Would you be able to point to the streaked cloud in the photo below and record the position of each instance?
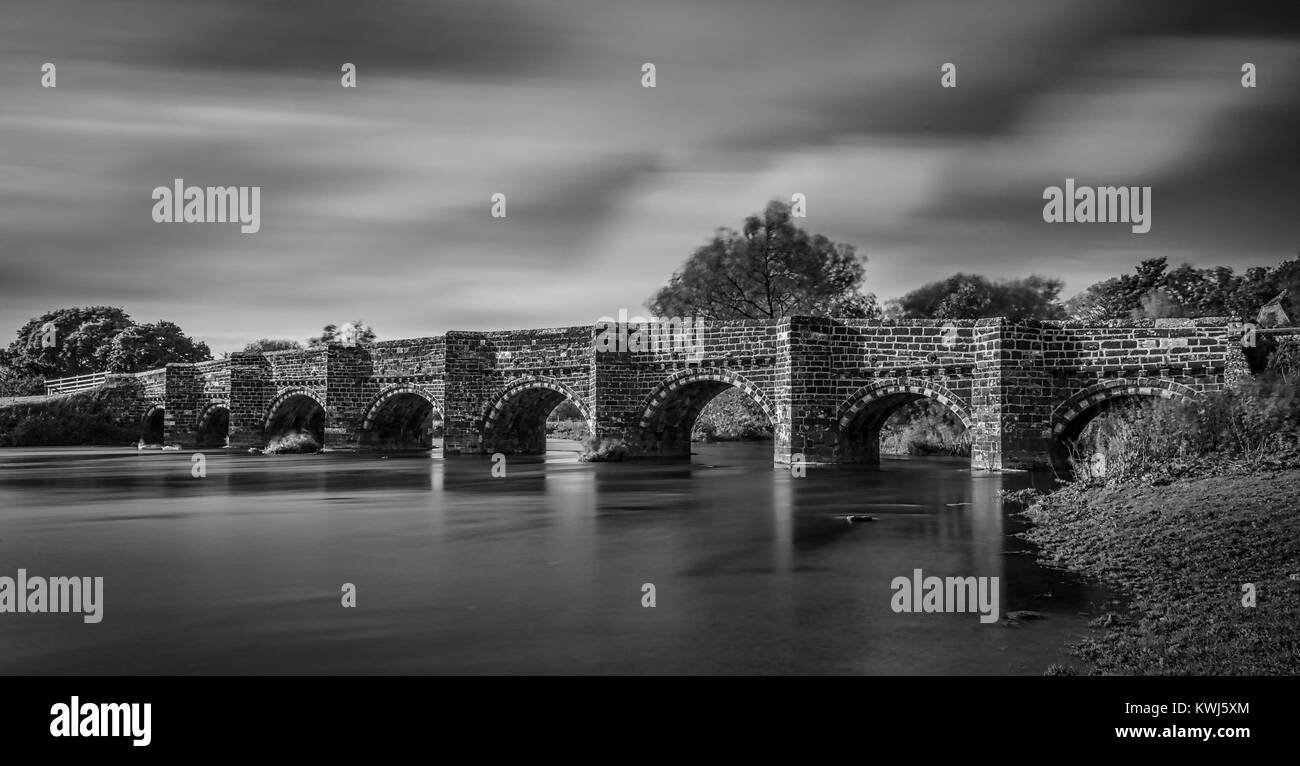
(376, 200)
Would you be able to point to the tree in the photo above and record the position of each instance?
(1154, 291)
(15, 382)
(149, 346)
(769, 269)
(970, 296)
(273, 344)
(79, 334)
(1260, 285)
(355, 331)
(1118, 297)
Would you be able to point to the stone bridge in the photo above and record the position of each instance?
(827, 385)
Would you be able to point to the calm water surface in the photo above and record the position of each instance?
(537, 572)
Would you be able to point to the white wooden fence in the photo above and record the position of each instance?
(75, 384)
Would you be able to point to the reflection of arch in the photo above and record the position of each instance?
(515, 421)
(861, 416)
(295, 409)
(401, 417)
(153, 423)
(214, 425)
(1069, 418)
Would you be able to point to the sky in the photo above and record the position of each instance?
(376, 200)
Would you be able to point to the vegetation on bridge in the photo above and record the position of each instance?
(73, 420)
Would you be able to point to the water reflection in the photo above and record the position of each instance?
(539, 571)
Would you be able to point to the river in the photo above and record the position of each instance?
(754, 570)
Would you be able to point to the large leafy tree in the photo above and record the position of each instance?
(1153, 290)
(769, 268)
(149, 346)
(970, 296)
(79, 334)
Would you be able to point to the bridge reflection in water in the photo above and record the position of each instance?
(755, 571)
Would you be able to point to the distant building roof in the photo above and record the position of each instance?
(1272, 314)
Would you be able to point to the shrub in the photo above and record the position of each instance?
(731, 416)
(14, 383)
(1250, 422)
(575, 430)
(74, 420)
(924, 428)
(603, 451)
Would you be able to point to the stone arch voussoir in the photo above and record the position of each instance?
(1071, 409)
(501, 400)
(285, 395)
(654, 402)
(383, 397)
(210, 410)
(872, 392)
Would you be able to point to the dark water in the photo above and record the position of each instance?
(538, 572)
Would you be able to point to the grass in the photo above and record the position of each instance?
(1183, 551)
(1190, 508)
(1255, 422)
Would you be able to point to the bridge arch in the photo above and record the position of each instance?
(153, 424)
(1075, 413)
(861, 416)
(515, 420)
(295, 410)
(213, 426)
(402, 417)
(669, 411)
(1071, 416)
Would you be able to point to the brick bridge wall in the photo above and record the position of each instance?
(828, 385)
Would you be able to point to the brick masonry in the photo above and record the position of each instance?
(828, 385)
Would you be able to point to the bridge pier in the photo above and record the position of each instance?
(251, 389)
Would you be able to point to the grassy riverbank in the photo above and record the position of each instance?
(1182, 549)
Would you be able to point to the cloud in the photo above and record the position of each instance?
(376, 199)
